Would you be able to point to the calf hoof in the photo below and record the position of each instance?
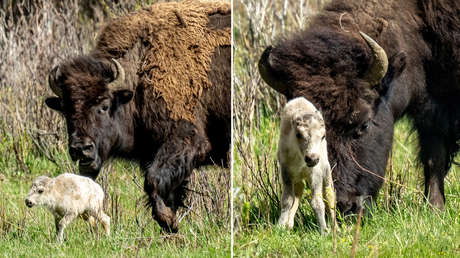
(324, 231)
(165, 217)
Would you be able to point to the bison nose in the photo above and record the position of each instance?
(29, 203)
(82, 149)
(311, 160)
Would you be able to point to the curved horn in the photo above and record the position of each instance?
(52, 77)
(379, 67)
(268, 74)
(120, 79)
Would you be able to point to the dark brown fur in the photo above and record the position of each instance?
(172, 111)
(326, 62)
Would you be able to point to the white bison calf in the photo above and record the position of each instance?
(302, 153)
(67, 196)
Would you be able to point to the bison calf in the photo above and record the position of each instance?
(302, 153)
(68, 196)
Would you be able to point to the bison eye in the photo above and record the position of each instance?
(365, 126)
(298, 135)
(40, 191)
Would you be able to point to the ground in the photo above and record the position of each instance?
(30, 232)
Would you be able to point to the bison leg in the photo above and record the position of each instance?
(167, 175)
(435, 157)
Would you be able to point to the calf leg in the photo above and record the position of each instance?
(105, 221)
(317, 202)
(62, 224)
(435, 156)
(287, 199)
(103, 218)
(87, 216)
(166, 174)
(298, 192)
(330, 194)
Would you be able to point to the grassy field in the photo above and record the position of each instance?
(400, 225)
(204, 230)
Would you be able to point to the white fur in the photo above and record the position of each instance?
(67, 196)
(303, 136)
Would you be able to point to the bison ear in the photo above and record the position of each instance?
(397, 65)
(123, 96)
(54, 103)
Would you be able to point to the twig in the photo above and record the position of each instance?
(185, 213)
(340, 22)
(355, 239)
(383, 178)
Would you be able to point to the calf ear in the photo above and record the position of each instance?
(123, 96)
(54, 103)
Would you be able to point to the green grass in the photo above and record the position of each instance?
(28, 232)
(402, 224)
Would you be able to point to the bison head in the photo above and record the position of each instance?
(90, 96)
(335, 71)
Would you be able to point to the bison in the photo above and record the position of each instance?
(156, 90)
(366, 64)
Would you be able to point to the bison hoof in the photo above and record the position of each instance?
(165, 217)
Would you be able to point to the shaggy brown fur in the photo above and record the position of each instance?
(326, 63)
(176, 38)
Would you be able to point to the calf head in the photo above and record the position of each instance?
(91, 96)
(37, 192)
(310, 134)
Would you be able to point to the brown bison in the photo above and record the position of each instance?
(156, 89)
(366, 64)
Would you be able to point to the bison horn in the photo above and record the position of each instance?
(379, 67)
(52, 77)
(268, 74)
(120, 78)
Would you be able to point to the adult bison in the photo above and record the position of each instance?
(366, 64)
(156, 89)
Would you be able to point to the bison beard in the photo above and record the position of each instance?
(156, 89)
(329, 62)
